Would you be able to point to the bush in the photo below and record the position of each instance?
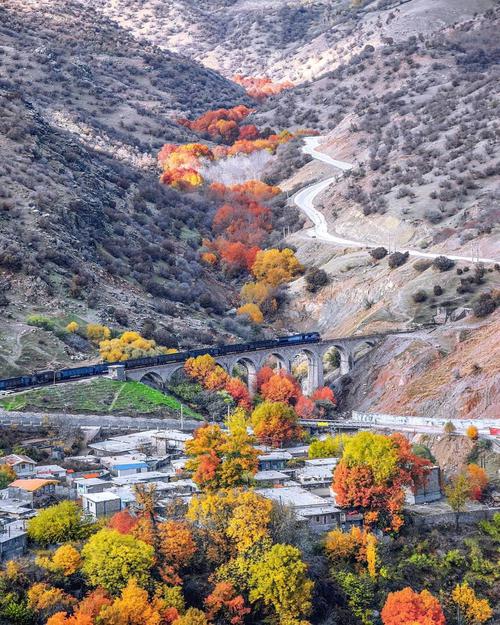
(422, 264)
(484, 306)
(442, 263)
(396, 259)
(315, 279)
(419, 296)
(378, 253)
(40, 322)
(438, 290)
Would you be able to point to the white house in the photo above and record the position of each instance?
(50, 470)
(101, 504)
(22, 465)
(319, 513)
(128, 468)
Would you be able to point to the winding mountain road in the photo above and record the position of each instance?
(304, 199)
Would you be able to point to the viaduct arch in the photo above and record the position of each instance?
(348, 347)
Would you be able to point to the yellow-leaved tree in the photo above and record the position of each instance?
(279, 580)
(473, 610)
(130, 345)
(274, 267)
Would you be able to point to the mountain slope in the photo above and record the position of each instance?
(85, 227)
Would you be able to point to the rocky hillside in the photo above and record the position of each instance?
(85, 228)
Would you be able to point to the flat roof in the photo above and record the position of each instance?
(321, 472)
(99, 497)
(320, 462)
(270, 475)
(276, 455)
(129, 465)
(112, 446)
(145, 476)
(91, 481)
(294, 496)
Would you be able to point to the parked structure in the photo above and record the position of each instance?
(13, 539)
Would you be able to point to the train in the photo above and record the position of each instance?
(77, 373)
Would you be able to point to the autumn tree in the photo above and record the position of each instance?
(226, 605)
(46, 600)
(252, 311)
(133, 607)
(62, 522)
(471, 609)
(130, 345)
(72, 327)
(110, 559)
(97, 332)
(281, 387)
(478, 481)
(222, 460)
(472, 432)
(407, 607)
(274, 267)
(7, 475)
(280, 581)
(123, 522)
(65, 560)
(329, 447)
(240, 517)
(457, 493)
(275, 423)
(177, 548)
(193, 616)
(372, 473)
(358, 547)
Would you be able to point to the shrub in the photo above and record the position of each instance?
(438, 290)
(422, 264)
(378, 253)
(315, 279)
(40, 322)
(442, 263)
(419, 296)
(484, 306)
(396, 259)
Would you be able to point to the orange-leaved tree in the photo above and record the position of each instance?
(275, 423)
(274, 267)
(281, 387)
(407, 607)
(478, 480)
(372, 475)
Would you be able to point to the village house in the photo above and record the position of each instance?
(128, 468)
(101, 504)
(85, 486)
(274, 460)
(23, 465)
(264, 479)
(319, 514)
(171, 441)
(13, 539)
(50, 471)
(35, 491)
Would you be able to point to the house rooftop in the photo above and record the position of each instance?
(31, 485)
(276, 455)
(90, 481)
(100, 497)
(129, 465)
(293, 496)
(14, 459)
(262, 476)
(50, 468)
(321, 462)
(173, 435)
(145, 476)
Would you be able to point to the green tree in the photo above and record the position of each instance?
(375, 451)
(279, 580)
(63, 522)
(457, 493)
(111, 559)
(330, 447)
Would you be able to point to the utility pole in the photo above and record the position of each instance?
(182, 417)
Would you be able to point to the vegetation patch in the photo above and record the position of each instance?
(102, 396)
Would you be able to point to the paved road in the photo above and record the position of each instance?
(107, 421)
(304, 199)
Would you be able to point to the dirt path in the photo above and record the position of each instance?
(304, 199)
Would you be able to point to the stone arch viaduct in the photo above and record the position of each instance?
(254, 359)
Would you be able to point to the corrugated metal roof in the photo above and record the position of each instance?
(130, 465)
